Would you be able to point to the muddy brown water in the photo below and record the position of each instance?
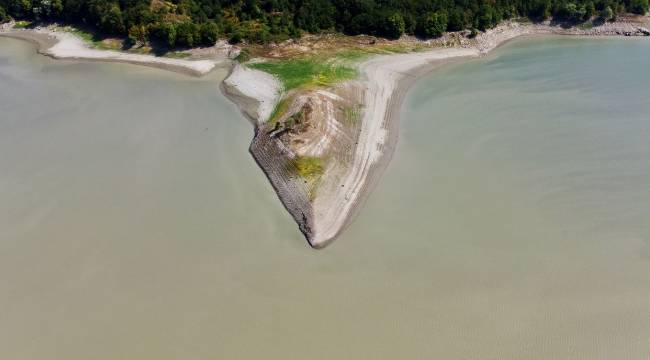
(512, 223)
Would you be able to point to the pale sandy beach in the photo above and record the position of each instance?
(64, 45)
(255, 84)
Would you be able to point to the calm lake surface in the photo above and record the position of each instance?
(513, 222)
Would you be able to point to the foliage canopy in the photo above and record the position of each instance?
(187, 23)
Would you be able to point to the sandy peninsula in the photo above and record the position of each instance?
(383, 82)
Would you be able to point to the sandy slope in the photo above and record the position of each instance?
(263, 87)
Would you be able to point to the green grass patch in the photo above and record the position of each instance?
(309, 167)
(86, 36)
(357, 54)
(244, 55)
(296, 73)
(280, 108)
(177, 55)
(354, 54)
(586, 25)
(22, 24)
(94, 40)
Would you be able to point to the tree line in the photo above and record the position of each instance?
(189, 23)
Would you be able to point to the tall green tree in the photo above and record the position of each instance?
(638, 7)
(433, 24)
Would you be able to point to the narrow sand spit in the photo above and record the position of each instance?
(386, 80)
(64, 45)
(382, 75)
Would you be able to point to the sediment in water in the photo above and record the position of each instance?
(323, 217)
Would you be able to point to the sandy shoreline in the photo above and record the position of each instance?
(63, 45)
(244, 82)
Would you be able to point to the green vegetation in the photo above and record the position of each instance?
(359, 53)
(280, 108)
(93, 40)
(23, 24)
(177, 55)
(638, 6)
(244, 55)
(188, 23)
(607, 14)
(86, 36)
(352, 55)
(434, 24)
(352, 114)
(303, 72)
(586, 26)
(295, 119)
(308, 167)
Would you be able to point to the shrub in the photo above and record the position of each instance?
(235, 37)
(393, 26)
(607, 14)
(638, 7)
(137, 34)
(209, 34)
(187, 34)
(456, 20)
(316, 15)
(112, 21)
(572, 13)
(433, 25)
(165, 33)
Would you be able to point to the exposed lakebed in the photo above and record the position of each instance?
(512, 222)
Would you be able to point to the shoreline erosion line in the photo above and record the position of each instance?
(383, 82)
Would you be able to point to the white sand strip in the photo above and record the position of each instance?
(72, 47)
(258, 85)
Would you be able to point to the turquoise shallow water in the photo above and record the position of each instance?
(511, 224)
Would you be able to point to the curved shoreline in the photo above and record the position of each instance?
(66, 46)
(387, 79)
(392, 121)
(364, 174)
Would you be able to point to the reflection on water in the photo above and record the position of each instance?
(512, 223)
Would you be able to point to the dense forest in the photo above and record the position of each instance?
(188, 23)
